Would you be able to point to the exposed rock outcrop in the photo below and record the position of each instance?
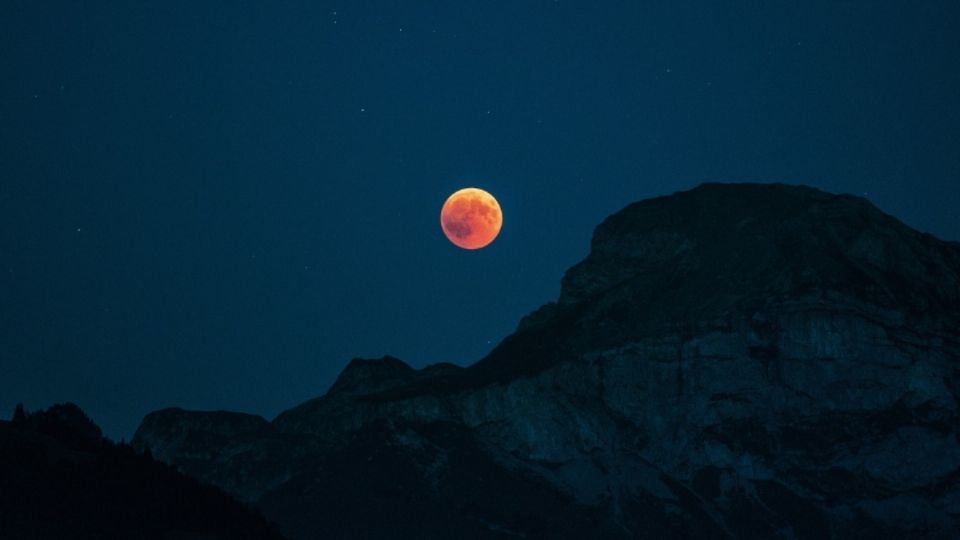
(735, 361)
(195, 434)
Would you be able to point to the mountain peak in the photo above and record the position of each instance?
(365, 375)
(721, 243)
(700, 259)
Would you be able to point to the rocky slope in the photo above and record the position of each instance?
(735, 361)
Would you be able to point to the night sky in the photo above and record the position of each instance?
(215, 205)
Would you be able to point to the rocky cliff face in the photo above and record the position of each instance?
(736, 361)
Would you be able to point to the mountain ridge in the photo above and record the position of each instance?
(733, 361)
(60, 478)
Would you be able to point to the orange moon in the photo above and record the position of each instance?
(471, 218)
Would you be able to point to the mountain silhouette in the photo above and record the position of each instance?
(60, 479)
(734, 361)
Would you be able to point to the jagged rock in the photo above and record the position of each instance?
(194, 435)
(735, 361)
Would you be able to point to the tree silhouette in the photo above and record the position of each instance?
(19, 415)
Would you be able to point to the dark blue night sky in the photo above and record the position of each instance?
(218, 204)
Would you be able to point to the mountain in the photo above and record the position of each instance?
(734, 361)
(60, 479)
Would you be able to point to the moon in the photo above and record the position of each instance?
(471, 218)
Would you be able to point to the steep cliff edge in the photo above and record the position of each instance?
(735, 361)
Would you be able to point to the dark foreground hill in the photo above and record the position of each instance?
(735, 361)
(60, 480)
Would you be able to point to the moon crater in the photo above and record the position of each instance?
(471, 218)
